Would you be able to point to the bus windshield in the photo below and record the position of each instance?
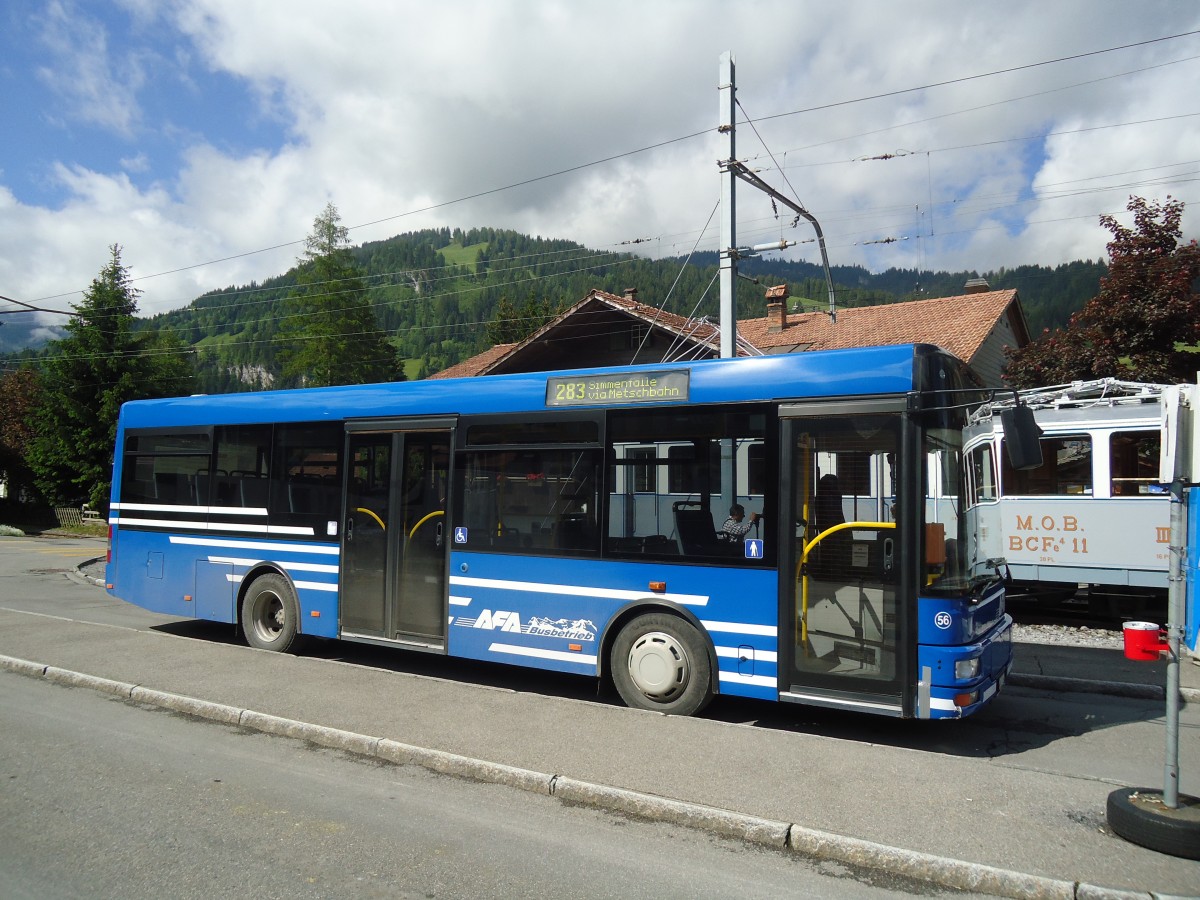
(945, 558)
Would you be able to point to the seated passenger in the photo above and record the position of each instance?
(736, 526)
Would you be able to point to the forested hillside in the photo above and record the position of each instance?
(444, 295)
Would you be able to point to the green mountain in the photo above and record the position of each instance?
(437, 292)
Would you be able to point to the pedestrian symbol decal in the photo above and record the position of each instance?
(754, 548)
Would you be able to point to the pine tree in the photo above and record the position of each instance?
(100, 364)
(330, 334)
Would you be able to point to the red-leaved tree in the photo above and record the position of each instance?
(1144, 325)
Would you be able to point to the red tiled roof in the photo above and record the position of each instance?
(476, 364)
(959, 324)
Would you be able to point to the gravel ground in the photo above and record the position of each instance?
(1068, 635)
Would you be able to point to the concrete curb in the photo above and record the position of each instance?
(817, 845)
(1056, 684)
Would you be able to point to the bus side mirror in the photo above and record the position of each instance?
(1022, 438)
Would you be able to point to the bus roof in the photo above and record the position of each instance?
(830, 373)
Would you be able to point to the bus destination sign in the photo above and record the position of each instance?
(606, 390)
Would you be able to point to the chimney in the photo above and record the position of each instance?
(631, 294)
(776, 308)
(977, 286)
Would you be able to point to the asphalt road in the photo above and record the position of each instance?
(1019, 787)
(101, 798)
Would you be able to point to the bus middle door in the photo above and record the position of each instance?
(394, 545)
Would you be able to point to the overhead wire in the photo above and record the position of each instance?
(693, 135)
(669, 141)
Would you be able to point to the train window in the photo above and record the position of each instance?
(983, 475)
(1066, 469)
(1133, 459)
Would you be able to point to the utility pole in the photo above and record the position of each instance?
(731, 171)
(739, 170)
(728, 97)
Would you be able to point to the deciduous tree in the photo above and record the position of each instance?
(1144, 325)
(18, 397)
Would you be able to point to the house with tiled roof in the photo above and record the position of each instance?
(604, 329)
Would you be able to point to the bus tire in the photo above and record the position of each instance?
(1138, 815)
(660, 662)
(271, 614)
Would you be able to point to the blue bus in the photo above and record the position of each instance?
(580, 522)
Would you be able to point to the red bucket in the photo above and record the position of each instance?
(1143, 640)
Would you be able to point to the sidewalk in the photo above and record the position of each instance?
(1009, 821)
(1065, 668)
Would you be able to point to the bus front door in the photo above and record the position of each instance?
(840, 598)
(394, 545)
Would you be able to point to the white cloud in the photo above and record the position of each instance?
(396, 107)
(97, 85)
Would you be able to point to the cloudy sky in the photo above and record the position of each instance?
(204, 136)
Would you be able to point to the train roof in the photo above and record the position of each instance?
(1094, 395)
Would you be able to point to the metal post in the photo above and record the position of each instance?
(728, 248)
(1175, 614)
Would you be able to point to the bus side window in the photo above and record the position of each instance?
(160, 468)
(241, 466)
(530, 500)
(305, 476)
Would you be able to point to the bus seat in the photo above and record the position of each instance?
(255, 492)
(173, 487)
(626, 544)
(570, 533)
(202, 486)
(694, 525)
(661, 545)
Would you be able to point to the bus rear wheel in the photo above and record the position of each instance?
(659, 662)
(271, 614)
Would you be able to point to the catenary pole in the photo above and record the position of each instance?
(728, 275)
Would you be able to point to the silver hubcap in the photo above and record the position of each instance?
(268, 621)
(659, 666)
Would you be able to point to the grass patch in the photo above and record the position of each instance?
(457, 255)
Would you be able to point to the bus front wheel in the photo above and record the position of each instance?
(270, 614)
(659, 662)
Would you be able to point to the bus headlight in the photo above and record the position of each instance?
(966, 668)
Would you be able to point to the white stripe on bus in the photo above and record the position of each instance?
(459, 601)
(533, 587)
(230, 543)
(308, 585)
(207, 510)
(316, 586)
(290, 566)
(211, 526)
(557, 655)
(767, 681)
(741, 628)
(763, 656)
